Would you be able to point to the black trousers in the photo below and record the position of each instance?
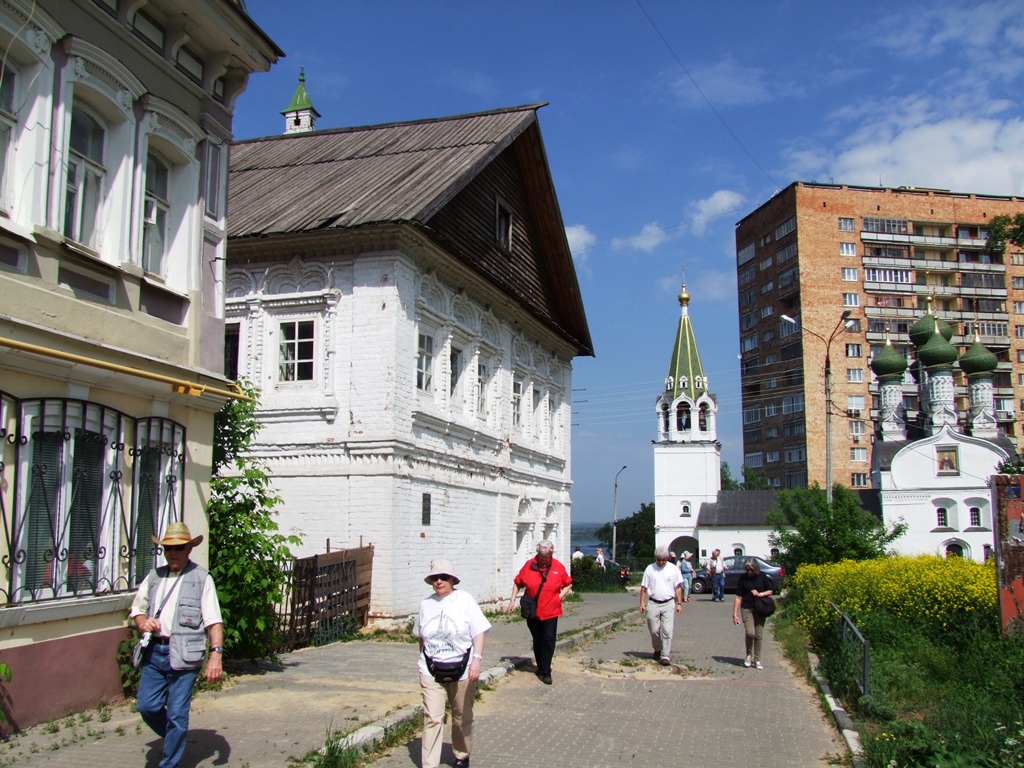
(544, 635)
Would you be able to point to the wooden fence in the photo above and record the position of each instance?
(325, 596)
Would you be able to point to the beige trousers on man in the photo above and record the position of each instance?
(460, 695)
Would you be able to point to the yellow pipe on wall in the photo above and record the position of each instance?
(177, 385)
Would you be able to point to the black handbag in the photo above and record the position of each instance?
(528, 605)
(447, 671)
(764, 606)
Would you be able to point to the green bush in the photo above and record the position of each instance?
(587, 577)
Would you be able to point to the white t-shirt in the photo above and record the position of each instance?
(447, 626)
(661, 581)
(210, 606)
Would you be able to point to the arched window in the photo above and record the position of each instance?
(86, 176)
(702, 417)
(954, 550)
(664, 417)
(976, 516)
(683, 417)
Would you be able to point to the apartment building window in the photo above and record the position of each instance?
(771, 409)
(886, 226)
(749, 367)
(854, 375)
(748, 297)
(767, 287)
(771, 383)
(785, 227)
(1017, 259)
(853, 350)
(749, 343)
(795, 454)
(771, 358)
(769, 335)
(845, 224)
(767, 311)
(850, 274)
(745, 254)
(1017, 283)
(295, 351)
(1018, 331)
(789, 352)
(424, 362)
(986, 328)
(788, 277)
(793, 429)
(765, 239)
(1020, 355)
(796, 480)
(878, 275)
(86, 176)
(766, 263)
(1018, 307)
(859, 480)
(771, 433)
(857, 428)
(858, 454)
(851, 299)
(754, 460)
(793, 404)
(854, 404)
(853, 325)
(787, 328)
(752, 414)
(848, 249)
(746, 274)
(771, 457)
(785, 254)
(155, 210)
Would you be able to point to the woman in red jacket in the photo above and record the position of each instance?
(548, 582)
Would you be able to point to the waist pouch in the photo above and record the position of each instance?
(447, 671)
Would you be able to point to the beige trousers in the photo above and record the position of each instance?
(460, 695)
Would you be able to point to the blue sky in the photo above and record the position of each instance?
(667, 123)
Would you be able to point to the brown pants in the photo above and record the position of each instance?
(753, 627)
(460, 695)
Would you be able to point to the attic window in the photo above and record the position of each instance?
(503, 225)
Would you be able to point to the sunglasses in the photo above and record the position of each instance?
(175, 547)
(440, 577)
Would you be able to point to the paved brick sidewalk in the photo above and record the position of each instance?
(282, 711)
(611, 704)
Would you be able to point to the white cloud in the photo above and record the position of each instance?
(580, 240)
(703, 212)
(729, 84)
(715, 286)
(650, 237)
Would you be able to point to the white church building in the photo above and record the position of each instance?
(932, 473)
(404, 299)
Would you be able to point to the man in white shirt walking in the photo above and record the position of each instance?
(661, 596)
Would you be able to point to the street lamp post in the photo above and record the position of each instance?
(843, 321)
(615, 515)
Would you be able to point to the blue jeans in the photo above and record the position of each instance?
(165, 696)
(718, 587)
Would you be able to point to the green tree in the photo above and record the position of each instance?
(808, 530)
(1014, 465)
(730, 483)
(755, 481)
(247, 553)
(1003, 230)
(635, 536)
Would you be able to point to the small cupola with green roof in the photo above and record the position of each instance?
(978, 364)
(686, 409)
(889, 366)
(300, 115)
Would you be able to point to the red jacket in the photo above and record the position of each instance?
(549, 606)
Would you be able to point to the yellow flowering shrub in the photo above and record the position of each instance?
(934, 594)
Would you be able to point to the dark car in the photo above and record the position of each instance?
(733, 571)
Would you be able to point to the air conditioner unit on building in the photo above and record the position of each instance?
(856, 438)
(853, 413)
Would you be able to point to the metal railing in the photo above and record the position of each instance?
(853, 644)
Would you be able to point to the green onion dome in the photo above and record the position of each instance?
(977, 359)
(889, 363)
(922, 331)
(937, 351)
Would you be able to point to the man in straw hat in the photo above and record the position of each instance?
(451, 629)
(175, 609)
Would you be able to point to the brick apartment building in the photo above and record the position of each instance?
(815, 250)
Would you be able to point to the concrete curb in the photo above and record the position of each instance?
(843, 721)
(368, 735)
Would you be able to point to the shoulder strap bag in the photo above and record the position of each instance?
(143, 644)
(528, 605)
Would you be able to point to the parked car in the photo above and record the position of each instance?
(733, 571)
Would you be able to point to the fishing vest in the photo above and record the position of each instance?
(188, 636)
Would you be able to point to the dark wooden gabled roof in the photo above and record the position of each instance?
(406, 173)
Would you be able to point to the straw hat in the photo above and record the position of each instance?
(177, 534)
(687, 554)
(441, 568)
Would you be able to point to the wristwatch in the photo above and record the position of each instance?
(477, 656)
(217, 649)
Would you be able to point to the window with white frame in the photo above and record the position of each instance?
(853, 350)
(424, 362)
(752, 414)
(517, 404)
(879, 275)
(847, 249)
(771, 457)
(793, 404)
(771, 409)
(851, 299)
(767, 311)
(854, 403)
(854, 375)
(154, 214)
(850, 274)
(857, 428)
(295, 350)
(845, 224)
(785, 227)
(858, 454)
(859, 480)
(85, 177)
(791, 455)
(754, 460)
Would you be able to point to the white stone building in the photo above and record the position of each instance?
(404, 298)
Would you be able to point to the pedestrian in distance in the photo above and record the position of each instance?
(451, 628)
(176, 610)
(600, 558)
(750, 585)
(686, 570)
(717, 570)
(545, 582)
(578, 554)
(661, 597)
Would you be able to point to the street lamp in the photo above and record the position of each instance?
(842, 324)
(615, 514)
